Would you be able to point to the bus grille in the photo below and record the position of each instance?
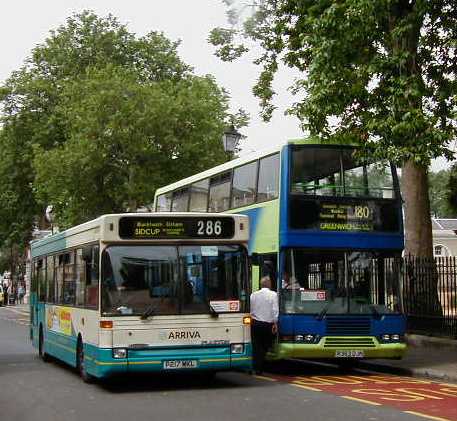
(348, 325)
(349, 343)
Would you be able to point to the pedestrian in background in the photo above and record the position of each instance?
(20, 294)
(12, 294)
(6, 293)
(264, 313)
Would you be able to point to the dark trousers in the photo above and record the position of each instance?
(262, 339)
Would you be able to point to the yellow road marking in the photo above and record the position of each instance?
(448, 385)
(306, 387)
(361, 400)
(270, 379)
(431, 417)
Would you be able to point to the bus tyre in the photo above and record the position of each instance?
(43, 355)
(81, 364)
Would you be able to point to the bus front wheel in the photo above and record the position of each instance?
(81, 363)
(41, 352)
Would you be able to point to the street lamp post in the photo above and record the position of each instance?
(230, 139)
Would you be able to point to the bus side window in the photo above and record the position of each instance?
(41, 277)
(50, 269)
(91, 257)
(32, 278)
(59, 278)
(69, 285)
(80, 278)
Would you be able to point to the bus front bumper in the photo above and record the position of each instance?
(283, 350)
(103, 364)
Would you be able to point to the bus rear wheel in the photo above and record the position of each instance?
(81, 363)
(41, 352)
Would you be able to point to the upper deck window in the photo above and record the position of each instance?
(180, 200)
(219, 192)
(244, 180)
(199, 196)
(163, 202)
(329, 171)
(268, 186)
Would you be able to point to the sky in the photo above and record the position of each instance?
(25, 23)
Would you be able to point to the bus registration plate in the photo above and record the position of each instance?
(349, 354)
(178, 364)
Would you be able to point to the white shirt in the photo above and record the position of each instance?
(264, 305)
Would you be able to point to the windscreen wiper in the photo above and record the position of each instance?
(213, 312)
(375, 311)
(323, 312)
(148, 312)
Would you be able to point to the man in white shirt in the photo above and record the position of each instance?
(264, 313)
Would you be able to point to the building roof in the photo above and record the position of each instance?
(444, 224)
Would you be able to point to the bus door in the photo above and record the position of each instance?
(265, 265)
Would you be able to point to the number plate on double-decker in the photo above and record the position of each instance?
(346, 353)
(178, 364)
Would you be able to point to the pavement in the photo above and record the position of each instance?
(427, 357)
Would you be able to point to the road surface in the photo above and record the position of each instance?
(33, 390)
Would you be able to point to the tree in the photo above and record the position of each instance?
(127, 138)
(96, 119)
(380, 73)
(439, 193)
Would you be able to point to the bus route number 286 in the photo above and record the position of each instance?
(209, 227)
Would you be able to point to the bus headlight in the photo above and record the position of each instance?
(119, 353)
(308, 338)
(237, 348)
(393, 337)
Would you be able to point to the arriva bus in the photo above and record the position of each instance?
(144, 292)
(327, 228)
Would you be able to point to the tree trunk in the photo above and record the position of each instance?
(418, 224)
(421, 275)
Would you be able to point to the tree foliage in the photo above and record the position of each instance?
(97, 119)
(439, 193)
(451, 191)
(380, 73)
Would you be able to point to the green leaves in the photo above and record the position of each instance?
(440, 193)
(381, 74)
(97, 119)
(223, 38)
(383, 69)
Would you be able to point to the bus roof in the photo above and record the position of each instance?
(245, 159)
(220, 168)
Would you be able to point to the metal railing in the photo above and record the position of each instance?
(430, 295)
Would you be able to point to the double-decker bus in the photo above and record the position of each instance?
(327, 227)
(144, 292)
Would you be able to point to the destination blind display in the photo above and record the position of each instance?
(166, 228)
(347, 215)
